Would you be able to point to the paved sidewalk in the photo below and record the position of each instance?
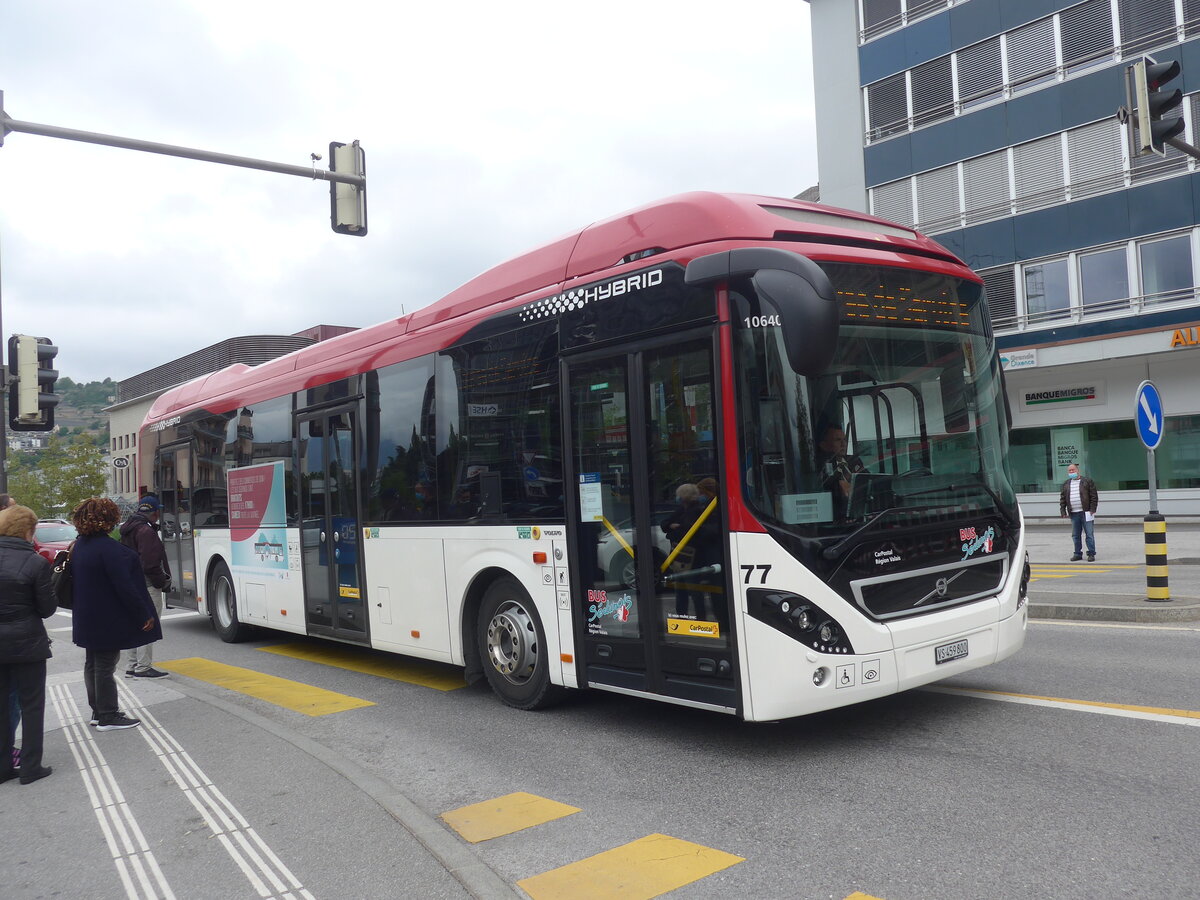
(1113, 588)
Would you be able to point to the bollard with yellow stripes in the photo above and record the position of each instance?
(1155, 528)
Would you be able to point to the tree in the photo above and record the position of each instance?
(53, 481)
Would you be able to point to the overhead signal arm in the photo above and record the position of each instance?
(352, 175)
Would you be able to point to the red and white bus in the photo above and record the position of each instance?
(734, 452)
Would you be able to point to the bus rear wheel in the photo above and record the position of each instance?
(512, 645)
(223, 602)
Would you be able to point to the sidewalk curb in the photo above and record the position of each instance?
(479, 880)
(1143, 612)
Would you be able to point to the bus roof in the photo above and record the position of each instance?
(665, 227)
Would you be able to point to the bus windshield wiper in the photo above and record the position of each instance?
(1004, 514)
(836, 549)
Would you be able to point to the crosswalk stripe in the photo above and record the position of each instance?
(293, 695)
(442, 678)
(505, 815)
(639, 870)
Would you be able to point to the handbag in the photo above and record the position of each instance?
(61, 580)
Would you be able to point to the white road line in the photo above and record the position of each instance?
(1076, 623)
(66, 613)
(265, 871)
(121, 832)
(1125, 712)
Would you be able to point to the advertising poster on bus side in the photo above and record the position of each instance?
(258, 522)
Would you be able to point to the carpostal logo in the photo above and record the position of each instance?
(580, 297)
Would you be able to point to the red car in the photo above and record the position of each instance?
(52, 536)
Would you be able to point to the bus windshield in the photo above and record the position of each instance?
(907, 426)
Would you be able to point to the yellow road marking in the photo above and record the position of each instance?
(859, 895)
(505, 815)
(1078, 567)
(1154, 713)
(442, 678)
(639, 870)
(301, 698)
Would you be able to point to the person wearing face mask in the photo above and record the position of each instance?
(1078, 499)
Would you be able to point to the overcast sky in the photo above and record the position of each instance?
(489, 129)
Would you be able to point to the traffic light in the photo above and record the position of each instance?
(1153, 100)
(31, 397)
(348, 202)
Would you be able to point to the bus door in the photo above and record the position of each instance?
(650, 592)
(173, 477)
(335, 604)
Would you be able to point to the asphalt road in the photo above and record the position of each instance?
(1067, 771)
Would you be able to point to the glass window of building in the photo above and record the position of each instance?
(1047, 290)
(887, 106)
(932, 91)
(1146, 24)
(1166, 269)
(1103, 280)
(980, 75)
(1111, 455)
(878, 15)
(1087, 34)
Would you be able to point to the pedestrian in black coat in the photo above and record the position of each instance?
(112, 610)
(25, 599)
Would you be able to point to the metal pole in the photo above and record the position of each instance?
(1152, 475)
(1154, 528)
(245, 162)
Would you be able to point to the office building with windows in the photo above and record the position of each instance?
(992, 126)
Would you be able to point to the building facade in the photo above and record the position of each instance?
(136, 394)
(992, 126)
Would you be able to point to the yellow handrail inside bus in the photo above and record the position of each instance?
(700, 519)
(620, 540)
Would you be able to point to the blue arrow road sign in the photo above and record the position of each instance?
(1148, 415)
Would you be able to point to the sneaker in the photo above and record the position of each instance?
(149, 673)
(1091, 557)
(93, 721)
(130, 672)
(1076, 558)
(117, 722)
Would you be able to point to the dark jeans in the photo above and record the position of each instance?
(98, 669)
(1079, 523)
(30, 681)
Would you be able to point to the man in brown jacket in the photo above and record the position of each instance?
(1078, 499)
(140, 532)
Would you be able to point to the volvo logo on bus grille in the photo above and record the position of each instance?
(941, 588)
(582, 296)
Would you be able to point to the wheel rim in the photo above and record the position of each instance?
(224, 602)
(512, 642)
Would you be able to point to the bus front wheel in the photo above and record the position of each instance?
(512, 646)
(223, 601)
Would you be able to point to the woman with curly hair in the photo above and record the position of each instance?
(25, 599)
(112, 611)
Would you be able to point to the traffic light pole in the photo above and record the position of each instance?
(109, 140)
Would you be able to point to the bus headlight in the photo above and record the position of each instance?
(799, 618)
